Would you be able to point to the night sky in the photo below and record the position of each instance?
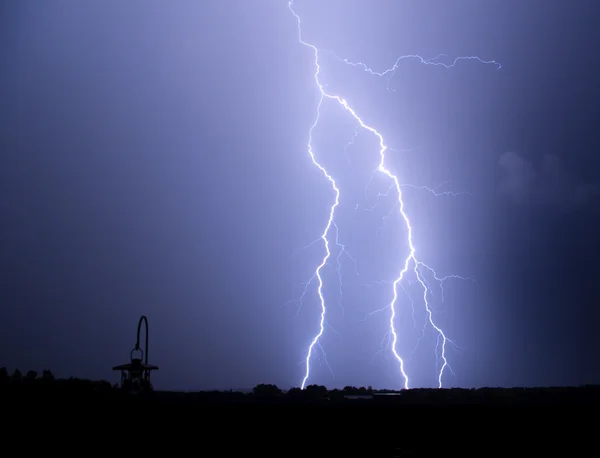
(154, 161)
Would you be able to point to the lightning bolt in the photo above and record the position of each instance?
(411, 262)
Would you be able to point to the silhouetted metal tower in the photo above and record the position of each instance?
(135, 375)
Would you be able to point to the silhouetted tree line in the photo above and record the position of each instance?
(434, 396)
(33, 384)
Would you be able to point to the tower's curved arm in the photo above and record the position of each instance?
(137, 345)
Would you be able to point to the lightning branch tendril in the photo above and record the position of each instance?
(411, 262)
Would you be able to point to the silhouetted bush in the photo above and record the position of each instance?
(17, 377)
(316, 392)
(47, 376)
(266, 391)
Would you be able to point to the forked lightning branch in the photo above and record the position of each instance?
(408, 266)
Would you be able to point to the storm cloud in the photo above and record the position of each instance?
(545, 182)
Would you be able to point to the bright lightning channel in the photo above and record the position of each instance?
(411, 262)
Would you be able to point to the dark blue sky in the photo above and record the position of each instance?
(154, 162)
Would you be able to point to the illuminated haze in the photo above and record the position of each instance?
(155, 161)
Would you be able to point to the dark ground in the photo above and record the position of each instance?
(313, 422)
